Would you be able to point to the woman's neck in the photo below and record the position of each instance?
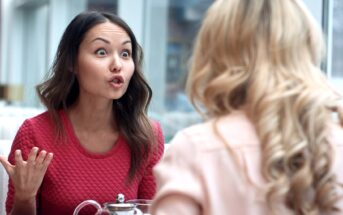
(92, 117)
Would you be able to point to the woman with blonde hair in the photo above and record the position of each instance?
(272, 142)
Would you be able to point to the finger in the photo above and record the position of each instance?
(19, 163)
(47, 161)
(41, 157)
(32, 156)
(18, 158)
(7, 165)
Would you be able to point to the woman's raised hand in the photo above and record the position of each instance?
(27, 176)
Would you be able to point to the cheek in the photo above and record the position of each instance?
(89, 67)
(130, 70)
(88, 73)
(86, 65)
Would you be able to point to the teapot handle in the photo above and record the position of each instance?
(88, 202)
(138, 212)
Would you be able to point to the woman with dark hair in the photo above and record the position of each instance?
(96, 126)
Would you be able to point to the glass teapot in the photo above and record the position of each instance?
(111, 208)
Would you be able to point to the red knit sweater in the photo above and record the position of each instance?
(75, 174)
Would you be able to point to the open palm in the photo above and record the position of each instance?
(27, 176)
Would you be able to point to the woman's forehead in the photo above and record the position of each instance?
(108, 30)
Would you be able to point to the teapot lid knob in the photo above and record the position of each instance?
(120, 198)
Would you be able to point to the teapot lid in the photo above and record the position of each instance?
(112, 206)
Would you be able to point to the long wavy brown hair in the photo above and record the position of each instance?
(265, 55)
(61, 88)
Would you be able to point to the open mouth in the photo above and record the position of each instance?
(117, 82)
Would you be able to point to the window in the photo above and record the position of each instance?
(333, 25)
(169, 30)
(103, 5)
(184, 19)
(166, 29)
(337, 40)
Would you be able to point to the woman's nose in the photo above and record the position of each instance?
(116, 63)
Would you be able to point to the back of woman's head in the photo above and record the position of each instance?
(264, 55)
(243, 41)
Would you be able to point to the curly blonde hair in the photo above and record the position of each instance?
(265, 55)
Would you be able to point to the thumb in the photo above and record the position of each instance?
(8, 167)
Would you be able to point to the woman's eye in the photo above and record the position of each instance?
(126, 54)
(101, 52)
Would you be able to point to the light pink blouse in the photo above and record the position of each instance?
(198, 174)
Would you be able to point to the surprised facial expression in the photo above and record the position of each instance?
(104, 64)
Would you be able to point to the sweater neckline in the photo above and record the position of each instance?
(76, 142)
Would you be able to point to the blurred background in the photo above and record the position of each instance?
(31, 29)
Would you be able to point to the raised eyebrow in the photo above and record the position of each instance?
(126, 42)
(101, 39)
(107, 41)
